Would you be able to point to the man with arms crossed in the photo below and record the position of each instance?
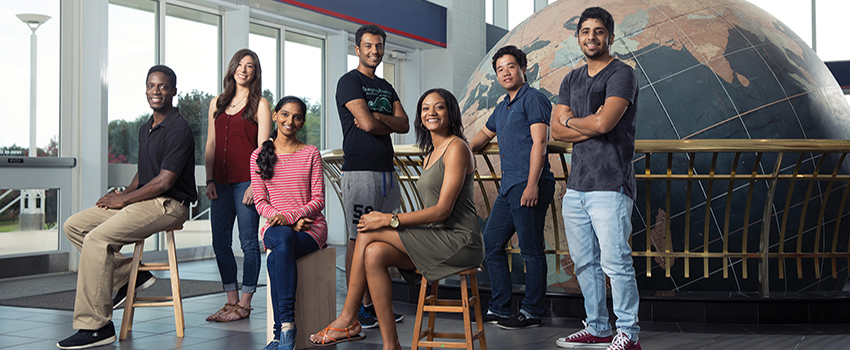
(157, 199)
(596, 110)
(369, 110)
(521, 121)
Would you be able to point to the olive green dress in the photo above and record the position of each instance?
(444, 248)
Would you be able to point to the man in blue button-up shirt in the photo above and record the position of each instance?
(521, 121)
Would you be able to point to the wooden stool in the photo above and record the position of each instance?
(433, 305)
(174, 300)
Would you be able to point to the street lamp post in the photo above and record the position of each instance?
(33, 21)
(32, 200)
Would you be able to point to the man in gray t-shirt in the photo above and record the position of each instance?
(596, 110)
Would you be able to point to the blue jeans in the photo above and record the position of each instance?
(223, 210)
(286, 247)
(598, 226)
(507, 217)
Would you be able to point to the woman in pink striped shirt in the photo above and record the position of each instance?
(289, 191)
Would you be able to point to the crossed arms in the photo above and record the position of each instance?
(377, 123)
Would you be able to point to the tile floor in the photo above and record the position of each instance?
(153, 328)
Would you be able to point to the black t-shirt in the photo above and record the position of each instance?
(364, 151)
(604, 162)
(170, 146)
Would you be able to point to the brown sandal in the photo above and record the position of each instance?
(224, 309)
(235, 311)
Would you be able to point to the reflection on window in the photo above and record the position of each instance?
(15, 55)
(192, 51)
(132, 51)
(263, 40)
(28, 221)
(303, 78)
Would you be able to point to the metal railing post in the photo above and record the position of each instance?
(764, 246)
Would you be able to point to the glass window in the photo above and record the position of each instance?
(831, 35)
(192, 51)
(303, 77)
(263, 40)
(28, 221)
(132, 51)
(518, 11)
(16, 38)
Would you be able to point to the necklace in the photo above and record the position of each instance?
(295, 149)
(240, 101)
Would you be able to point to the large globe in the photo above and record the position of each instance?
(707, 69)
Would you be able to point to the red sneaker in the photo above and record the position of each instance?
(622, 342)
(583, 340)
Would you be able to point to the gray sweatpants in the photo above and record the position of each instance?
(365, 191)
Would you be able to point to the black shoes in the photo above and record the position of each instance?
(492, 318)
(518, 321)
(371, 310)
(85, 339)
(368, 319)
(143, 281)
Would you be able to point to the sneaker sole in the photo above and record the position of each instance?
(399, 318)
(574, 345)
(103, 342)
(523, 327)
(144, 286)
(369, 326)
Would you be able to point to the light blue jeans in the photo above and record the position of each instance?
(598, 225)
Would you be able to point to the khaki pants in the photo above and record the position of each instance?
(99, 235)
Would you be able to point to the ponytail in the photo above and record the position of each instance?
(267, 158)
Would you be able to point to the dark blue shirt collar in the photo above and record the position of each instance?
(519, 94)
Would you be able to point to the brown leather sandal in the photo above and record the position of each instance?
(224, 309)
(235, 311)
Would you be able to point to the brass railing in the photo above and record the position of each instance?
(801, 185)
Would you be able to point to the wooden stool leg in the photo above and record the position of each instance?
(176, 297)
(417, 325)
(482, 341)
(127, 320)
(467, 322)
(432, 315)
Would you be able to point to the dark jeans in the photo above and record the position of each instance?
(286, 247)
(507, 217)
(223, 210)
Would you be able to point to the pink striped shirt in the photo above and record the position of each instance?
(296, 190)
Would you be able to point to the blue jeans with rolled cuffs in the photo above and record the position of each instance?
(507, 217)
(598, 225)
(286, 246)
(223, 210)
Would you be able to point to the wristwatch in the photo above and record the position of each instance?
(394, 221)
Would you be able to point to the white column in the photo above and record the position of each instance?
(500, 13)
(540, 4)
(83, 103)
(336, 64)
(450, 68)
(33, 93)
(235, 24)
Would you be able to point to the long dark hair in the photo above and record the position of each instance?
(423, 136)
(255, 89)
(267, 158)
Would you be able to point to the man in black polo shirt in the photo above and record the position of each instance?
(157, 199)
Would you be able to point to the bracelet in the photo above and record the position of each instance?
(567, 122)
(210, 181)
